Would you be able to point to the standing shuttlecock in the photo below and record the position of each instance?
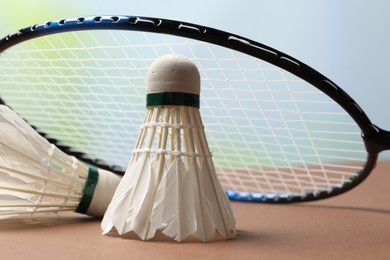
(35, 176)
(170, 185)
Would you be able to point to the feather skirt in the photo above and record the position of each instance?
(170, 184)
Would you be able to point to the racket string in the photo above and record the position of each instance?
(268, 130)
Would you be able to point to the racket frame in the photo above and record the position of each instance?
(375, 139)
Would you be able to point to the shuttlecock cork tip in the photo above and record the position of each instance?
(173, 73)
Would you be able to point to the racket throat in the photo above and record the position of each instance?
(378, 141)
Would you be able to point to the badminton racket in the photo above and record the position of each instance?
(279, 130)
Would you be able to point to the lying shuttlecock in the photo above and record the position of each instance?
(35, 176)
(170, 185)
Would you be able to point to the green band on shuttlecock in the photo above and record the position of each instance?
(89, 190)
(172, 99)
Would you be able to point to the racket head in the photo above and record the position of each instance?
(277, 128)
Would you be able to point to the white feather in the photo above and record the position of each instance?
(35, 176)
(174, 193)
(123, 208)
(173, 208)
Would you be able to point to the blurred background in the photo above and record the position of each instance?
(348, 41)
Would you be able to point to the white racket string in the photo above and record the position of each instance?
(268, 131)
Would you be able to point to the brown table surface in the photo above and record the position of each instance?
(354, 225)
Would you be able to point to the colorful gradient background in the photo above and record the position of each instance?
(348, 41)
